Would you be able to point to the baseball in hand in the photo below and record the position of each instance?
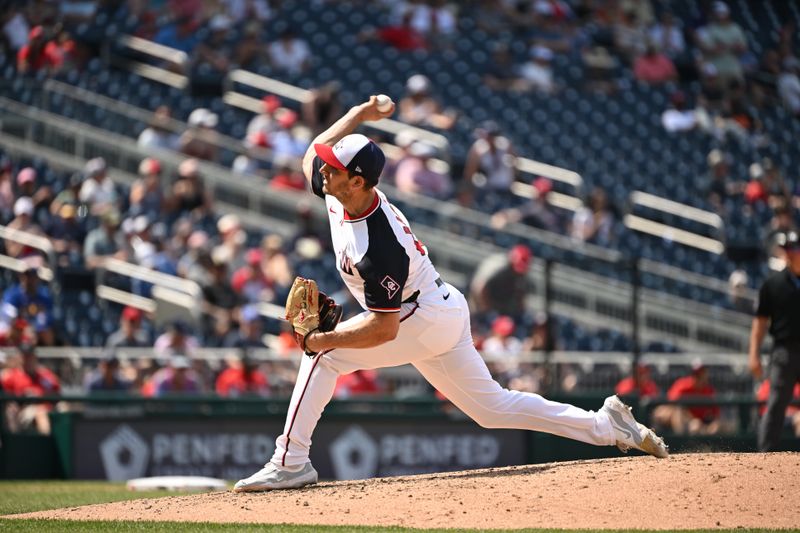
(384, 103)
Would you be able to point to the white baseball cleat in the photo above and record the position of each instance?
(273, 477)
(630, 433)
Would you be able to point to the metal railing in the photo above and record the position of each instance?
(671, 233)
(300, 96)
(45, 272)
(734, 360)
(18, 265)
(31, 240)
(393, 127)
(53, 89)
(557, 363)
(157, 53)
(180, 292)
(678, 209)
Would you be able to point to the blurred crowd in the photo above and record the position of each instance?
(718, 83)
(168, 221)
(165, 223)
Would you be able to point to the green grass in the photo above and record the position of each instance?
(28, 496)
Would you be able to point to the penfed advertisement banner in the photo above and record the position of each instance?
(122, 449)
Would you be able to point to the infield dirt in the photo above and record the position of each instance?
(719, 490)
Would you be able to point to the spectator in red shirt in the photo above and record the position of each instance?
(654, 67)
(39, 53)
(242, 378)
(190, 9)
(17, 331)
(250, 282)
(358, 383)
(755, 191)
(403, 36)
(647, 387)
(29, 378)
(288, 178)
(694, 420)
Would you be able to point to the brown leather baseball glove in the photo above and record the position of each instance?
(309, 310)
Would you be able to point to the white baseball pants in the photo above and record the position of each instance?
(437, 340)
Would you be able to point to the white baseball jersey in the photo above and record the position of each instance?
(379, 258)
(388, 270)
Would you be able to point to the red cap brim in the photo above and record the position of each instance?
(325, 153)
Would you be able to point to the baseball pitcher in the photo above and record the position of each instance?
(410, 316)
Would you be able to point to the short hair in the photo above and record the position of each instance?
(367, 181)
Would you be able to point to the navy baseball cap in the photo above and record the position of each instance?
(355, 153)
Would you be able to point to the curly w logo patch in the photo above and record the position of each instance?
(391, 286)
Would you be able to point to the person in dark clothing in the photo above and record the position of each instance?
(222, 304)
(189, 194)
(106, 377)
(778, 308)
(67, 233)
(249, 334)
(500, 284)
(324, 106)
(130, 332)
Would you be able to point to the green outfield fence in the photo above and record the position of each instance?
(122, 436)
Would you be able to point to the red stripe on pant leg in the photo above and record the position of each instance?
(297, 408)
(414, 310)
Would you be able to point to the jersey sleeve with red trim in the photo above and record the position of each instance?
(384, 268)
(316, 177)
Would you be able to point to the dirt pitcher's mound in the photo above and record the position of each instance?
(685, 491)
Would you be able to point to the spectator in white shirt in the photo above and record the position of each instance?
(415, 175)
(594, 222)
(15, 29)
(435, 20)
(723, 42)
(177, 340)
(158, 134)
(251, 162)
(667, 36)
(98, 190)
(247, 10)
(677, 118)
(538, 71)
(265, 121)
(290, 54)
(289, 138)
(502, 343)
(433, 17)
